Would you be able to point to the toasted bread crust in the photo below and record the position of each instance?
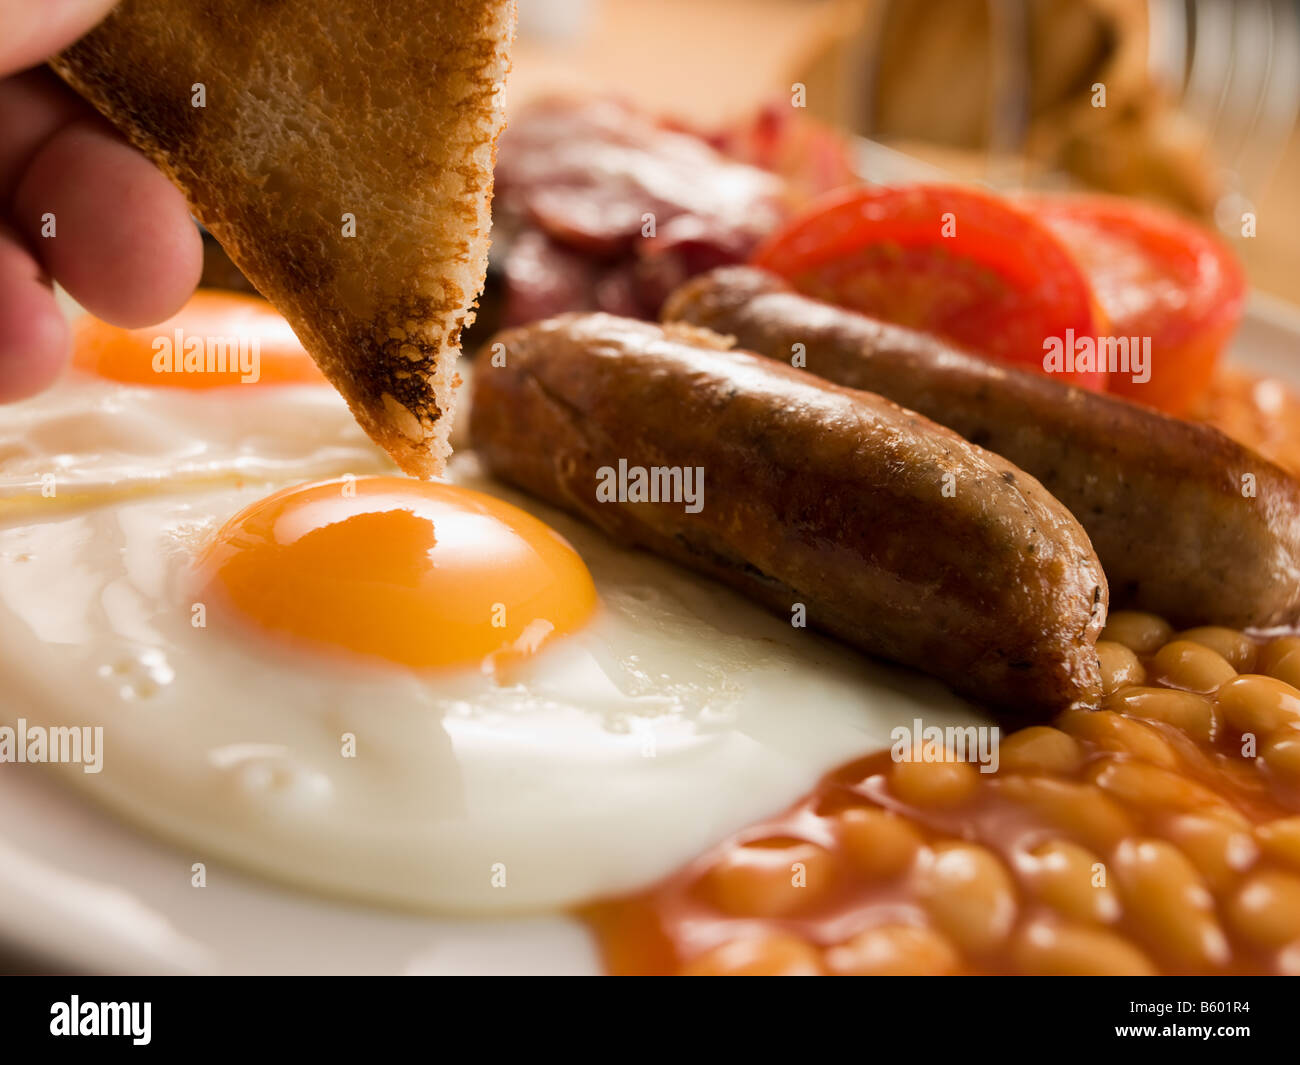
(313, 113)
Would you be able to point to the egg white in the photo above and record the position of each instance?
(679, 714)
(89, 440)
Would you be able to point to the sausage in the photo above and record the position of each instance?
(814, 494)
(1187, 523)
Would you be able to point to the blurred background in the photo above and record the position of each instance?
(1189, 102)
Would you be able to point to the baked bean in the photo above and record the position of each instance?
(1281, 753)
(1193, 714)
(1259, 704)
(1081, 811)
(1132, 835)
(1046, 948)
(1280, 840)
(1280, 658)
(879, 843)
(1119, 666)
(1266, 909)
(1169, 904)
(894, 950)
(1139, 632)
(775, 954)
(1040, 749)
(1149, 786)
(770, 878)
(1236, 648)
(1111, 732)
(969, 894)
(1229, 816)
(1220, 846)
(1191, 665)
(1238, 774)
(1065, 876)
(934, 784)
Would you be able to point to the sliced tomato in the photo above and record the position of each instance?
(1162, 281)
(951, 260)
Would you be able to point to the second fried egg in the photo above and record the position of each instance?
(221, 392)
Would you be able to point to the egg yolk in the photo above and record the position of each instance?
(216, 340)
(421, 574)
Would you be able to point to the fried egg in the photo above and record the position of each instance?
(436, 695)
(221, 392)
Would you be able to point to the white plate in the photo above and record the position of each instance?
(81, 892)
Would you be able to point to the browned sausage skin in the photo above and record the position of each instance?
(1168, 504)
(897, 535)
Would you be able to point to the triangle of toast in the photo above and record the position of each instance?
(342, 154)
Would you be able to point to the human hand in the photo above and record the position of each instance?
(78, 205)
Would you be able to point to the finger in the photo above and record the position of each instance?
(123, 243)
(34, 106)
(35, 29)
(34, 336)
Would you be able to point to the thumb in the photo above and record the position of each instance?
(33, 30)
